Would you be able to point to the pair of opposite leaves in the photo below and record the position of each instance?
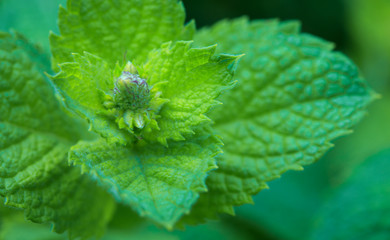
(293, 96)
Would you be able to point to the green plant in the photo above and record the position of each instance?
(150, 86)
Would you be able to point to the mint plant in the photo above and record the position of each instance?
(185, 128)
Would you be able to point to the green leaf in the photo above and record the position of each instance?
(359, 209)
(113, 29)
(195, 78)
(35, 137)
(79, 84)
(41, 59)
(185, 82)
(294, 96)
(158, 182)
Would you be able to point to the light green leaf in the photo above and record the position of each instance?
(195, 78)
(79, 83)
(158, 182)
(35, 137)
(359, 209)
(184, 83)
(113, 29)
(294, 96)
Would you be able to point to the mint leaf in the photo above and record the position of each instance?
(41, 59)
(80, 84)
(359, 208)
(35, 137)
(294, 96)
(182, 85)
(194, 78)
(112, 29)
(158, 182)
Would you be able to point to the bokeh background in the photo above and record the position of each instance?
(345, 195)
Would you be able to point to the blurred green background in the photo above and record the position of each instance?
(345, 195)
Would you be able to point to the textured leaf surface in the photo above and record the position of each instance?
(79, 83)
(191, 79)
(294, 96)
(359, 209)
(195, 78)
(35, 137)
(112, 29)
(158, 182)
